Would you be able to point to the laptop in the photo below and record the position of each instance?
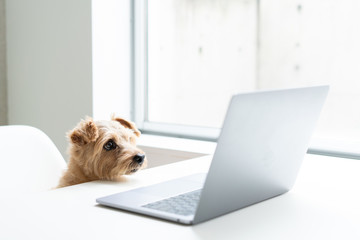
(264, 138)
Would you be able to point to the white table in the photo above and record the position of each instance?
(324, 204)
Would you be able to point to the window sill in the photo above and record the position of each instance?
(178, 144)
(162, 150)
(334, 148)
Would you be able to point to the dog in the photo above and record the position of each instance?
(102, 150)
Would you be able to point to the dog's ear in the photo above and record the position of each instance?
(127, 124)
(85, 132)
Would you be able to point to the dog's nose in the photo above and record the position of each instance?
(139, 158)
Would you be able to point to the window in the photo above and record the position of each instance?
(191, 56)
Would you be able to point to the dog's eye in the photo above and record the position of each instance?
(110, 145)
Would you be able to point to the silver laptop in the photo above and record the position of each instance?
(264, 138)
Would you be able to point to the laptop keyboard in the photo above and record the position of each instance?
(183, 204)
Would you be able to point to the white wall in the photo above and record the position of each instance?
(3, 88)
(111, 51)
(67, 59)
(49, 64)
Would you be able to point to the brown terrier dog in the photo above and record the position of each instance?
(102, 150)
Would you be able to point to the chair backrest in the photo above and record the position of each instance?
(29, 160)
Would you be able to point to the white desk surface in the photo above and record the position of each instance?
(324, 204)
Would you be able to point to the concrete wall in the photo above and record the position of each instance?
(200, 53)
(315, 42)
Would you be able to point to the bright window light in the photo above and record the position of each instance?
(196, 54)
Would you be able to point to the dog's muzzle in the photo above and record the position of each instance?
(139, 158)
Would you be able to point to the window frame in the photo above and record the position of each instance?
(140, 80)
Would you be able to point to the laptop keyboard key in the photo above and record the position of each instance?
(183, 204)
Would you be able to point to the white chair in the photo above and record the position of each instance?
(29, 160)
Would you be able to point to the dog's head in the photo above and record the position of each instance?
(106, 149)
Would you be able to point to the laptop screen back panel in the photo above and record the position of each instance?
(264, 138)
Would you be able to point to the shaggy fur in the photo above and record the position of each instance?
(102, 150)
